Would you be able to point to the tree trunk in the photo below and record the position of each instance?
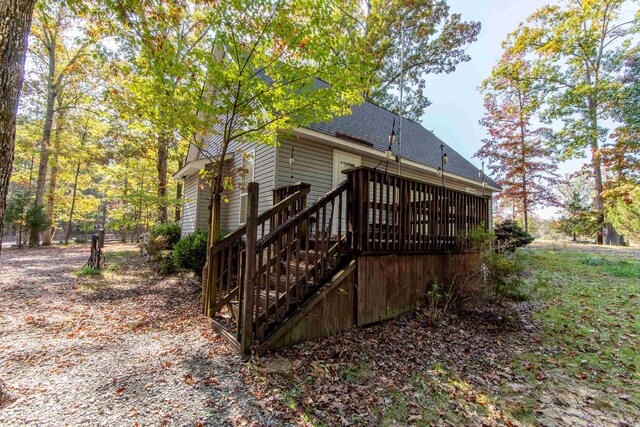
(596, 161)
(14, 31)
(208, 280)
(46, 139)
(163, 155)
(178, 195)
(73, 204)
(525, 195)
(47, 236)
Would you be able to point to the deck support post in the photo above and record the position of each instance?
(248, 291)
(210, 270)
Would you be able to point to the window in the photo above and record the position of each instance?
(247, 175)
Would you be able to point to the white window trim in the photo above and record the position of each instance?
(341, 155)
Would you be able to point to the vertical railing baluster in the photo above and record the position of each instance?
(267, 280)
(276, 274)
(373, 209)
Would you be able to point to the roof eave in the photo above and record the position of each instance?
(304, 131)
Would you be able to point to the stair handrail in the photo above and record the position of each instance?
(262, 218)
(227, 260)
(279, 245)
(291, 221)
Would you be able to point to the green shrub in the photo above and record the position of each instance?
(510, 235)
(477, 239)
(504, 271)
(166, 264)
(171, 230)
(80, 240)
(190, 253)
(163, 237)
(486, 268)
(36, 218)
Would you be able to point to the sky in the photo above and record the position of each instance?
(456, 102)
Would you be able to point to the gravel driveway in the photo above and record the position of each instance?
(128, 348)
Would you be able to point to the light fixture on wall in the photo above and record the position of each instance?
(292, 160)
(483, 178)
(392, 137)
(444, 159)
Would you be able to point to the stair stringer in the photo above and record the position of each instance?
(326, 312)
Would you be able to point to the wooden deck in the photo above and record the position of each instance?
(367, 251)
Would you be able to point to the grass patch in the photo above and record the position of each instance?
(435, 395)
(590, 330)
(87, 271)
(356, 374)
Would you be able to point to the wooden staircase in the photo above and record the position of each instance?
(260, 283)
(268, 275)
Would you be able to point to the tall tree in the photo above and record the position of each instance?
(14, 31)
(59, 54)
(437, 43)
(622, 154)
(248, 69)
(516, 148)
(624, 213)
(578, 46)
(47, 236)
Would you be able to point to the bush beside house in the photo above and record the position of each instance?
(190, 253)
(159, 245)
(510, 235)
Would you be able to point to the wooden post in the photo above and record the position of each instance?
(246, 317)
(101, 238)
(210, 276)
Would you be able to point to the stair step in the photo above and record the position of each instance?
(235, 310)
(330, 261)
(282, 282)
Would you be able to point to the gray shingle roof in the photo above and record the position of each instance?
(372, 123)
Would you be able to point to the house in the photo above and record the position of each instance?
(320, 152)
(328, 233)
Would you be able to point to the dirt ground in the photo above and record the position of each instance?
(134, 351)
(130, 348)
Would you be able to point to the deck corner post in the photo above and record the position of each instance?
(352, 195)
(210, 271)
(246, 317)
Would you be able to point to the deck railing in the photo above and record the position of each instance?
(228, 255)
(393, 214)
(371, 212)
(281, 193)
(288, 260)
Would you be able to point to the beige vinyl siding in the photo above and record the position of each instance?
(264, 175)
(204, 198)
(423, 176)
(313, 165)
(190, 204)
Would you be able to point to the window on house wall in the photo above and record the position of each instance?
(247, 176)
